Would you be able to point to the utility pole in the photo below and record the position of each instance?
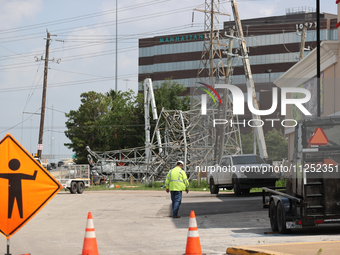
(318, 58)
(42, 115)
(116, 78)
(303, 39)
(250, 81)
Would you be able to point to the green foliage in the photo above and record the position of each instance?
(84, 126)
(203, 184)
(281, 183)
(248, 143)
(155, 185)
(123, 122)
(115, 120)
(192, 184)
(167, 95)
(277, 146)
(103, 122)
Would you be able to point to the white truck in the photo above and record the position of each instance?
(241, 173)
(75, 178)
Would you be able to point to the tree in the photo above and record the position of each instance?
(124, 121)
(167, 95)
(103, 122)
(84, 125)
(115, 120)
(277, 145)
(247, 143)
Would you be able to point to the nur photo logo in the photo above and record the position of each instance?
(238, 99)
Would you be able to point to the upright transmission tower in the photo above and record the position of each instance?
(223, 139)
(211, 68)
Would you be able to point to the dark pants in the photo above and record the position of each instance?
(176, 198)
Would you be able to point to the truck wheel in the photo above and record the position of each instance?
(281, 221)
(73, 188)
(80, 187)
(245, 191)
(272, 216)
(236, 185)
(213, 188)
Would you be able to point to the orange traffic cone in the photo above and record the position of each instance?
(90, 242)
(193, 240)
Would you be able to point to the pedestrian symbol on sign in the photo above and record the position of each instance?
(25, 186)
(14, 186)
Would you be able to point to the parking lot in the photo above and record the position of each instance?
(139, 222)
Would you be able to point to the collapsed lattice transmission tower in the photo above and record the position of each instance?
(188, 135)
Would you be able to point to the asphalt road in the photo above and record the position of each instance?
(139, 222)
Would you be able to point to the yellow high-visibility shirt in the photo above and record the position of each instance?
(177, 180)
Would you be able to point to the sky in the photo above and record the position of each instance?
(83, 49)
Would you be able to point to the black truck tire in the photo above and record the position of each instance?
(273, 216)
(236, 185)
(213, 188)
(73, 188)
(281, 221)
(245, 191)
(80, 187)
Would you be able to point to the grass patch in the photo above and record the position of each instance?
(204, 186)
(193, 186)
(279, 183)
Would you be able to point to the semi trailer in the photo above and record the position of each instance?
(312, 193)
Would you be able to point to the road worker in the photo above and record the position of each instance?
(176, 182)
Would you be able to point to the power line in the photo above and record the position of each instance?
(77, 18)
(70, 83)
(103, 24)
(85, 45)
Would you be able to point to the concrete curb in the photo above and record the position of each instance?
(246, 251)
(327, 247)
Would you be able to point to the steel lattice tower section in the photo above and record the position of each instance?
(222, 139)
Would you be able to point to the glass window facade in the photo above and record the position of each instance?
(190, 65)
(251, 41)
(235, 79)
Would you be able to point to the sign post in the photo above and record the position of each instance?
(25, 187)
(8, 247)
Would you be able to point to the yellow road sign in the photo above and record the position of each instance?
(25, 186)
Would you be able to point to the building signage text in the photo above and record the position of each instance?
(181, 38)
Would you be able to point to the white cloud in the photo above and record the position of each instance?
(12, 13)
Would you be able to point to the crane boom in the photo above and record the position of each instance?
(250, 82)
(149, 97)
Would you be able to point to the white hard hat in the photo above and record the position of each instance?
(179, 162)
